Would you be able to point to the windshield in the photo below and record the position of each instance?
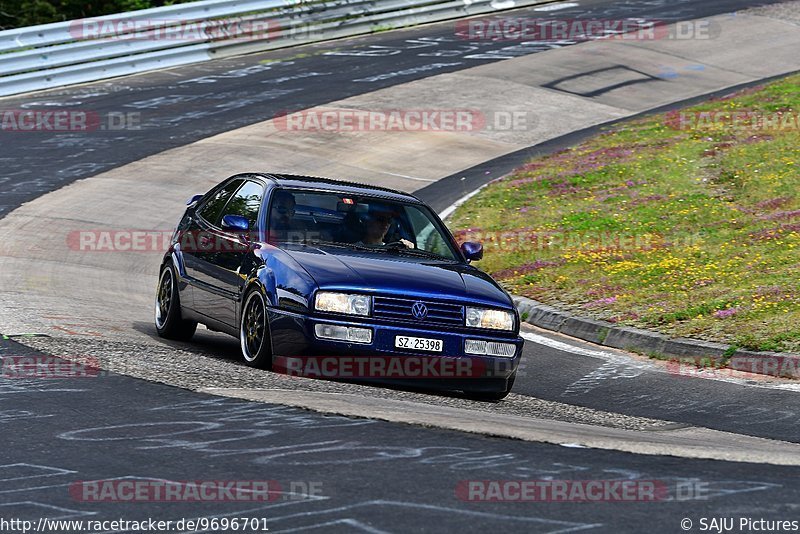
(358, 222)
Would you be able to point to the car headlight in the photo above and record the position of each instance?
(342, 303)
(485, 318)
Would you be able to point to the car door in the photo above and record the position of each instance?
(199, 240)
(222, 259)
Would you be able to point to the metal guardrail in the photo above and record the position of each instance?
(65, 53)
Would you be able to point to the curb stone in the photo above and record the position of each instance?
(694, 347)
(586, 329)
(653, 343)
(628, 338)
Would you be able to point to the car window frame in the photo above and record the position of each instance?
(246, 179)
(211, 194)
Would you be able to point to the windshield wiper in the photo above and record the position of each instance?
(338, 244)
(400, 247)
(391, 247)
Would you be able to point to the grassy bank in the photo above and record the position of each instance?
(686, 222)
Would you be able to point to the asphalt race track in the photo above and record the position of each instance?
(642, 388)
(236, 92)
(337, 473)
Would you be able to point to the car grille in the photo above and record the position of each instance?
(399, 309)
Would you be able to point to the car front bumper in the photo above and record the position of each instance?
(297, 350)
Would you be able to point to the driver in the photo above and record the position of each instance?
(377, 223)
(281, 216)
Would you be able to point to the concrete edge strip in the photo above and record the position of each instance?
(654, 343)
(608, 334)
(690, 442)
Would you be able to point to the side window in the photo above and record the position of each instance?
(211, 210)
(427, 236)
(246, 202)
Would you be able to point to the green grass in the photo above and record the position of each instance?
(692, 231)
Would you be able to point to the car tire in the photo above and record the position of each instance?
(254, 331)
(494, 395)
(168, 319)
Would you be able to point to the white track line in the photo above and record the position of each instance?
(557, 7)
(621, 359)
(566, 347)
(448, 211)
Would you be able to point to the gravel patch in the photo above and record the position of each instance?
(193, 368)
(787, 11)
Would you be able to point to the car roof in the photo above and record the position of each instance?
(294, 181)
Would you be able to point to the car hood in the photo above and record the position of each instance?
(388, 273)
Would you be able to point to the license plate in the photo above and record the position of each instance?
(418, 343)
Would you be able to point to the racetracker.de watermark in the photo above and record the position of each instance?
(177, 30)
(703, 367)
(579, 30)
(126, 490)
(778, 121)
(404, 120)
(46, 367)
(586, 491)
(528, 240)
(131, 240)
(138, 240)
(385, 367)
(67, 120)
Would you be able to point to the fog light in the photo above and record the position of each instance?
(489, 348)
(343, 333)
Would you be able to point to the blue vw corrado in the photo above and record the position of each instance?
(300, 268)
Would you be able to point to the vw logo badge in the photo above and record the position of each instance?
(419, 310)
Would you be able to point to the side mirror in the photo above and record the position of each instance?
(193, 200)
(237, 223)
(472, 251)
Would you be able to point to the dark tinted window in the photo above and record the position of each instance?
(211, 210)
(366, 223)
(246, 202)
